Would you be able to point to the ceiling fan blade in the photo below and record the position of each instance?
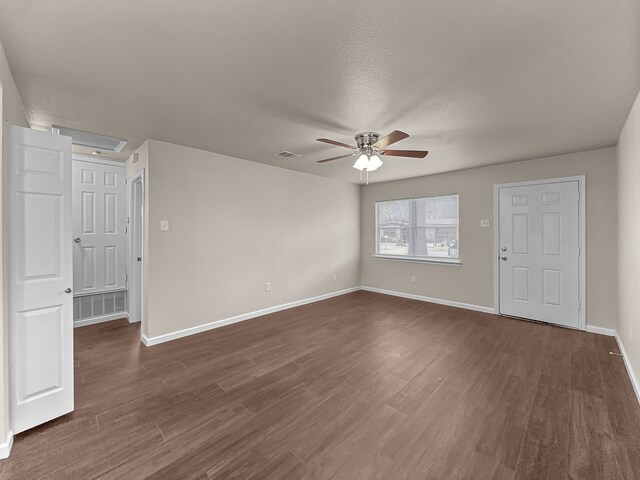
(406, 153)
(333, 142)
(393, 137)
(336, 158)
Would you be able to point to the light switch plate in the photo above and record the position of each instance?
(485, 223)
(164, 225)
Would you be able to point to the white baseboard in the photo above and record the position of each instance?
(632, 374)
(609, 332)
(149, 341)
(450, 303)
(5, 447)
(100, 319)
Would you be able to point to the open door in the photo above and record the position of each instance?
(40, 277)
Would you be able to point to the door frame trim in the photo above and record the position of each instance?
(99, 160)
(139, 177)
(582, 240)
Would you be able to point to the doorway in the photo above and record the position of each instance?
(136, 258)
(540, 255)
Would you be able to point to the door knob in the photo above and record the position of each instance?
(504, 249)
(67, 290)
(504, 259)
(77, 239)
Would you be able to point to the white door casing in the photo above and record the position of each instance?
(40, 277)
(98, 227)
(136, 231)
(539, 252)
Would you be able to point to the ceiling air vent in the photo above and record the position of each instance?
(285, 154)
(92, 140)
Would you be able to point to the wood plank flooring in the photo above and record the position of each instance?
(362, 386)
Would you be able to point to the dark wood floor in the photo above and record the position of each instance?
(362, 386)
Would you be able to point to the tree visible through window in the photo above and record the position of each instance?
(418, 227)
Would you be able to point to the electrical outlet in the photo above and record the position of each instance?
(334, 277)
(485, 223)
(164, 225)
(267, 287)
(413, 279)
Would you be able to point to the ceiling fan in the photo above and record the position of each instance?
(370, 147)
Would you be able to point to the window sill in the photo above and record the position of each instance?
(440, 261)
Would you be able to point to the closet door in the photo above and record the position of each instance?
(98, 227)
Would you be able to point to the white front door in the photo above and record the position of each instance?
(539, 245)
(98, 227)
(40, 277)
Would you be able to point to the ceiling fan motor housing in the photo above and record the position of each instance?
(366, 139)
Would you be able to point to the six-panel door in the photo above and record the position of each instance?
(40, 277)
(98, 227)
(539, 252)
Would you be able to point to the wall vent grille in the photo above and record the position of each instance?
(98, 305)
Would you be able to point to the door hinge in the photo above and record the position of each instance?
(579, 306)
(125, 180)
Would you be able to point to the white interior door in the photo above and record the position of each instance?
(98, 227)
(539, 243)
(40, 277)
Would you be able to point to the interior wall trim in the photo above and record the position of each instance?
(627, 364)
(422, 298)
(100, 319)
(609, 332)
(5, 447)
(167, 337)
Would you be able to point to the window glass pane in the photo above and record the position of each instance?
(420, 227)
(437, 227)
(394, 229)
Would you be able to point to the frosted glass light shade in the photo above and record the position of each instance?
(361, 163)
(374, 163)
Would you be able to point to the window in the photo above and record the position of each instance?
(418, 228)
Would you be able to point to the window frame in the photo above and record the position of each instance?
(418, 259)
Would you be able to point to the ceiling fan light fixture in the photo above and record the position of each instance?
(361, 163)
(374, 163)
(370, 147)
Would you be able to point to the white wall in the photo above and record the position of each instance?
(235, 225)
(12, 112)
(629, 237)
(472, 282)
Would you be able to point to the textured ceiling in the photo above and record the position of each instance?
(475, 83)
